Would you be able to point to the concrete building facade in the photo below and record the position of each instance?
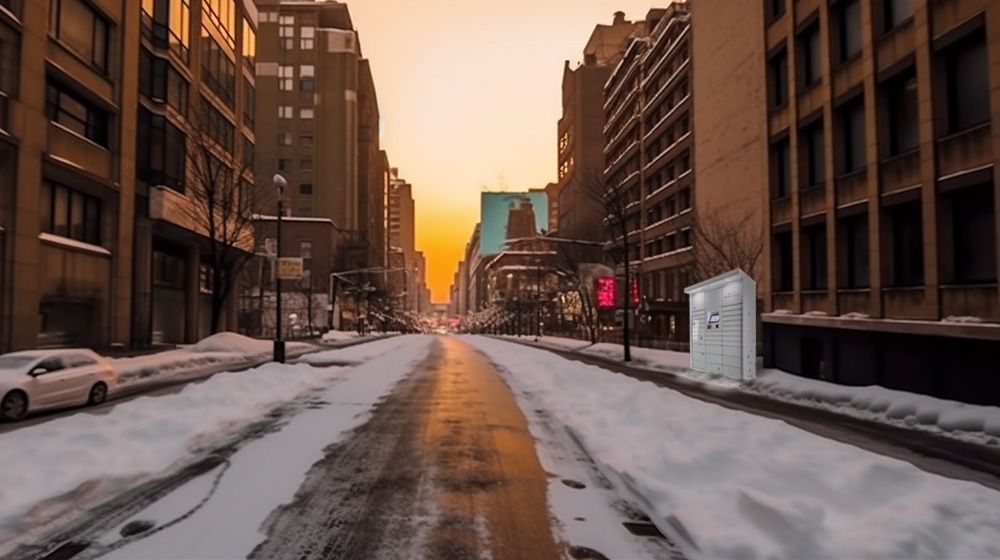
(649, 168)
(877, 138)
(575, 207)
(98, 102)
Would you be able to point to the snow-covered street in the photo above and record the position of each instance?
(464, 447)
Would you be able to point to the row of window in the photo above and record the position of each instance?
(167, 23)
(285, 164)
(666, 284)
(217, 126)
(889, 14)
(967, 242)
(671, 242)
(305, 139)
(162, 83)
(162, 149)
(307, 77)
(288, 112)
(70, 110)
(218, 70)
(668, 137)
(671, 206)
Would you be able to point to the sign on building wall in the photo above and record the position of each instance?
(604, 288)
(290, 268)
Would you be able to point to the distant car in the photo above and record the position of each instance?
(35, 380)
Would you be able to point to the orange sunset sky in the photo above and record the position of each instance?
(469, 95)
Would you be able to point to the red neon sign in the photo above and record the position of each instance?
(604, 288)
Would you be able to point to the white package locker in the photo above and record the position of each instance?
(724, 325)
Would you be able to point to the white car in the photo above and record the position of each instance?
(35, 380)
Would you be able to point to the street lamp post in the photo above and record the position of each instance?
(538, 297)
(279, 344)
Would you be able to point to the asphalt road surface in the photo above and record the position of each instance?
(446, 463)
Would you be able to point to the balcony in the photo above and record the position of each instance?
(965, 151)
(812, 200)
(971, 301)
(899, 172)
(79, 152)
(852, 187)
(781, 210)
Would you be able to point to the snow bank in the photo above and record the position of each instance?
(139, 437)
(875, 402)
(353, 354)
(220, 349)
(733, 485)
(337, 336)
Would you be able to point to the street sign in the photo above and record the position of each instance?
(290, 268)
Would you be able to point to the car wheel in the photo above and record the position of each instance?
(14, 405)
(98, 394)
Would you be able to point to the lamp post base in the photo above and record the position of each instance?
(279, 351)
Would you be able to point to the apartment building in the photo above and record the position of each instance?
(575, 207)
(98, 101)
(402, 241)
(881, 205)
(649, 168)
(194, 141)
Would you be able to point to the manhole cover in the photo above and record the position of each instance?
(136, 527)
(643, 529)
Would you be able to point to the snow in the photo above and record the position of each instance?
(337, 336)
(880, 403)
(969, 422)
(73, 244)
(60, 462)
(229, 524)
(727, 484)
(204, 357)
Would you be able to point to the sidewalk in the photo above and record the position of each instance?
(954, 453)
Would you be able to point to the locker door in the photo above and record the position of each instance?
(713, 331)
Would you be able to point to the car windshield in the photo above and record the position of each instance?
(15, 362)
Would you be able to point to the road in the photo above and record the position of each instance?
(445, 467)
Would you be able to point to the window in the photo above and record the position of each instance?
(205, 278)
(284, 164)
(307, 71)
(305, 188)
(776, 8)
(249, 45)
(82, 29)
(162, 83)
(307, 35)
(167, 24)
(896, 13)
(968, 90)
(971, 223)
(848, 17)
(305, 249)
(685, 199)
(218, 70)
(161, 154)
(904, 237)
(781, 173)
(813, 160)
(852, 136)
(306, 164)
(306, 140)
(74, 113)
(285, 112)
(778, 70)
(782, 262)
(814, 257)
(168, 270)
(223, 14)
(218, 127)
(249, 103)
(286, 74)
(284, 138)
(10, 57)
(810, 61)
(852, 252)
(307, 84)
(306, 112)
(901, 100)
(70, 213)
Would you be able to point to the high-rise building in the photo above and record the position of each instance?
(649, 166)
(879, 187)
(99, 107)
(575, 207)
(402, 241)
(520, 219)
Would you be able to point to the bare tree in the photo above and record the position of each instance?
(725, 243)
(221, 201)
(574, 261)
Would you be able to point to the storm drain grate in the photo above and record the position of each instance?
(67, 551)
(643, 529)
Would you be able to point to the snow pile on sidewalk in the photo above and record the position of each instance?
(876, 402)
(339, 336)
(353, 354)
(225, 348)
(140, 437)
(727, 484)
